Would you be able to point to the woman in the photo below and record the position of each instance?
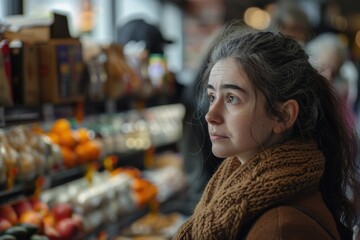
(290, 156)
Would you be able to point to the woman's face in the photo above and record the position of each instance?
(238, 122)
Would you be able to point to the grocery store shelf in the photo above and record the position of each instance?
(20, 114)
(17, 192)
(65, 176)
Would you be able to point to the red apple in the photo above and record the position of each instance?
(61, 211)
(22, 206)
(4, 224)
(8, 212)
(67, 228)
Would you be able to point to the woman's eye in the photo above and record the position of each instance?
(231, 99)
(211, 98)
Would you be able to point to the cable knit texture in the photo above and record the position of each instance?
(237, 192)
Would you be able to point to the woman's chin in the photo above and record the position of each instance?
(219, 154)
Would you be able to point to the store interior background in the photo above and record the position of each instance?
(191, 25)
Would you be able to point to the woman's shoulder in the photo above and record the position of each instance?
(304, 218)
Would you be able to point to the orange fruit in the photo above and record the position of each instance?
(68, 138)
(82, 153)
(69, 157)
(88, 151)
(61, 125)
(83, 134)
(93, 150)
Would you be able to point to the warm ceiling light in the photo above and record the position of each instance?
(257, 18)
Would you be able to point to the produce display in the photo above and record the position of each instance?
(29, 151)
(78, 146)
(34, 156)
(112, 195)
(79, 207)
(31, 218)
(25, 154)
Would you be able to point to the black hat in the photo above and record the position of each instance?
(139, 30)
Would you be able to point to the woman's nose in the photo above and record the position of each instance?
(213, 116)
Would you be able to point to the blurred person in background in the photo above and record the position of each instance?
(330, 56)
(143, 41)
(138, 30)
(291, 20)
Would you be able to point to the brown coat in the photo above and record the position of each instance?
(288, 223)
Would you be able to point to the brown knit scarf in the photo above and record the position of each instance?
(237, 192)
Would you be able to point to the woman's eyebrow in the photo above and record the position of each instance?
(232, 86)
(209, 86)
(227, 86)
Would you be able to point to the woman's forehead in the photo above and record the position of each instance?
(228, 70)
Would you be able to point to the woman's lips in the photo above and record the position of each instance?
(216, 137)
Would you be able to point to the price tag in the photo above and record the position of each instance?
(2, 117)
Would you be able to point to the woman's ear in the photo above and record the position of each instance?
(289, 112)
